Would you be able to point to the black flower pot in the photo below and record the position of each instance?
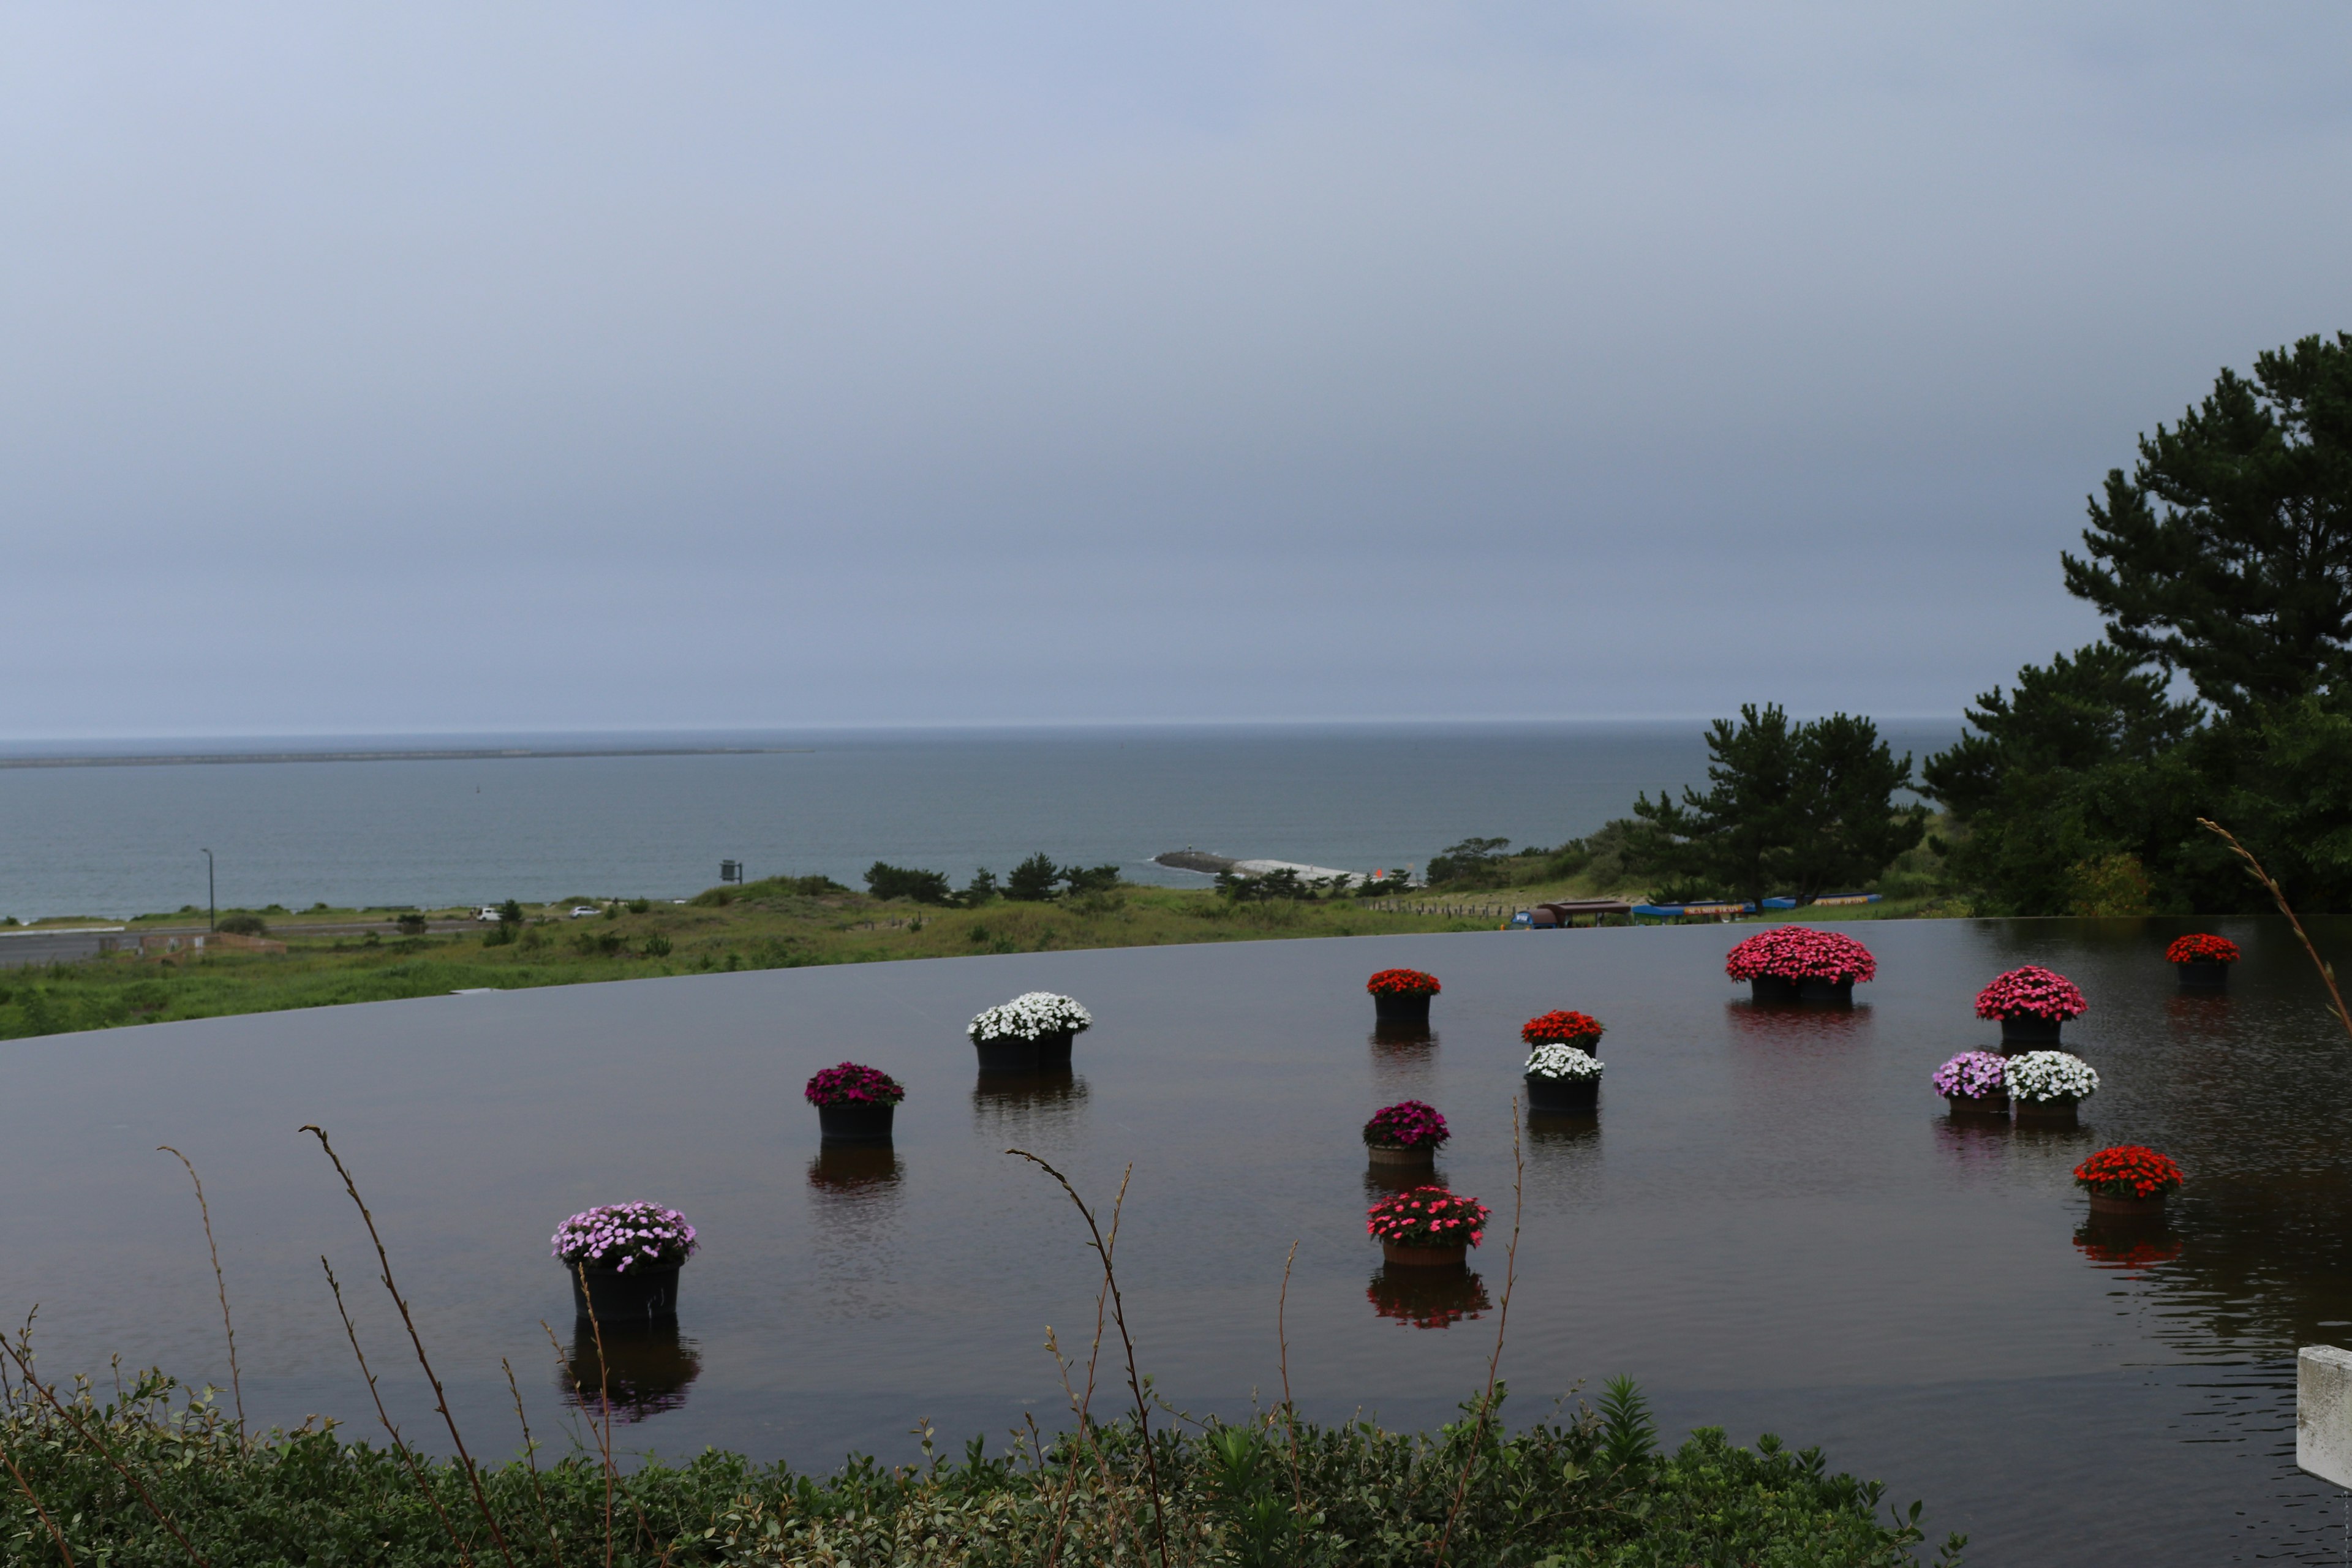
(2030, 1031)
(854, 1123)
(628, 1298)
(1772, 988)
(1054, 1050)
(1780, 988)
(1562, 1093)
(1010, 1054)
(1409, 1008)
(2204, 974)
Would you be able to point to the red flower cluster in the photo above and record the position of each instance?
(2202, 947)
(1799, 952)
(2032, 992)
(1407, 1124)
(850, 1084)
(1562, 1028)
(1428, 1216)
(2128, 1171)
(1402, 983)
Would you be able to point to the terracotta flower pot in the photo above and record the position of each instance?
(1978, 1104)
(2030, 1030)
(2132, 1208)
(2203, 976)
(1562, 1093)
(859, 1123)
(1398, 1256)
(1422, 1154)
(625, 1298)
(2045, 1112)
(1409, 1008)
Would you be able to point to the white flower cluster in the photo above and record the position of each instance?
(2050, 1075)
(1029, 1016)
(1556, 1060)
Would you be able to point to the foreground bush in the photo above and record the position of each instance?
(117, 1480)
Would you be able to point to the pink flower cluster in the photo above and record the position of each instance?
(614, 1236)
(850, 1084)
(1407, 1124)
(1428, 1216)
(1799, 952)
(1972, 1074)
(2031, 992)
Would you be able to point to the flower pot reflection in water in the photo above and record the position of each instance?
(848, 1168)
(1427, 1297)
(1405, 1036)
(2119, 1243)
(1017, 1105)
(643, 1371)
(1791, 1024)
(1562, 1129)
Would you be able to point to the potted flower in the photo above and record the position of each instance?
(1798, 963)
(2031, 1002)
(1405, 1133)
(623, 1260)
(853, 1104)
(2201, 961)
(1972, 1084)
(1582, 1031)
(1033, 1030)
(1426, 1227)
(1561, 1077)
(1401, 995)
(2046, 1086)
(2128, 1180)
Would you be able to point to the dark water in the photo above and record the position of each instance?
(124, 840)
(1771, 1224)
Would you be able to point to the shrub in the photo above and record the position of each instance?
(1565, 1028)
(2128, 1171)
(413, 924)
(2031, 992)
(655, 945)
(1033, 880)
(614, 1236)
(639, 906)
(499, 935)
(884, 881)
(241, 922)
(1427, 1216)
(1403, 983)
(1473, 863)
(1407, 1124)
(1091, 878)
(851, 1084)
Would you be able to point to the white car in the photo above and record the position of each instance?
(487, 912)
(581, 911)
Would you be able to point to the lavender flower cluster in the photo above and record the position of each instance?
(614, 1235)
(1972, 1074)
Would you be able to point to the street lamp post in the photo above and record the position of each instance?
(211, 904)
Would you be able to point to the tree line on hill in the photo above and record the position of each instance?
(2223, 689)
(1034, 880)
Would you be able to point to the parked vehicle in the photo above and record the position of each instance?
(581, 911)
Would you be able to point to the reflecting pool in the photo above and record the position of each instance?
(1770, 1222)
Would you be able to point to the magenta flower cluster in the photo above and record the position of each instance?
(1407, 1124)
(1799, 952)
(614, 1235)
(1972, 1074)
(2032, 992)
(851, 1084)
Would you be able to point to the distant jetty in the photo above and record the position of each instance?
(1199, 861)
(1210, 864)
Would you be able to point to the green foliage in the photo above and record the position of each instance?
(1091, 878)
(413, 924)
(242, 922)
(655, 945)
(2240, 573)
(499, 935)
(884, 881)
(639, 906)
(981, 889)
(510, 914)
(1270, 887)
(1034, 880)
(1590, 1491)
(1808, 809)
(1473, 863)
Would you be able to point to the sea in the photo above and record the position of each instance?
(119, 829)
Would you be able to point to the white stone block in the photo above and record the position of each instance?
(2322, 1412)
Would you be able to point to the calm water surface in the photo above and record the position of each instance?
(1771, 1222)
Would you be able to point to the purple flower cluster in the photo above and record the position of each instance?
(1407, 1124)
(1972, 1074)
(850, 1084)
(614, 1236)
(2031, 992)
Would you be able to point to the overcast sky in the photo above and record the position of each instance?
(511, 366)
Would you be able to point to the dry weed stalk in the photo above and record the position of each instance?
(1103, 1250)
(530, 1459)
(2278, 897)
(399, 1443)
(220, 1284)
(1502, 1324)
(440, 1397)
(1282, 1364)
